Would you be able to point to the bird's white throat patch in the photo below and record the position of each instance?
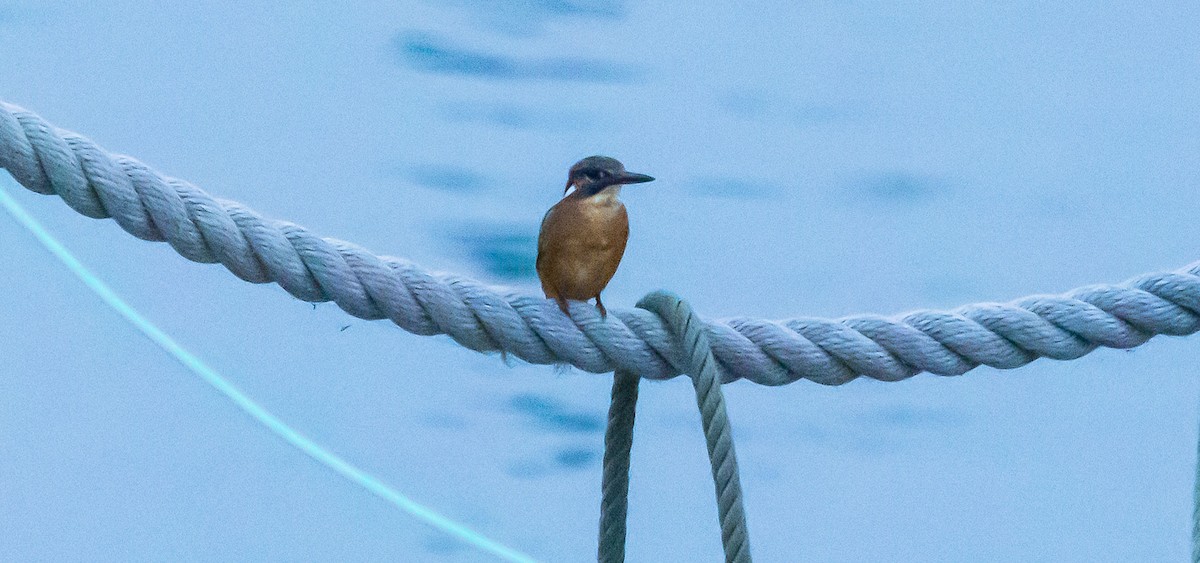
(607, 196)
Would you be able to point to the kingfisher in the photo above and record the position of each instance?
(583, 236)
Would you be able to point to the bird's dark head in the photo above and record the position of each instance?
(593, 174)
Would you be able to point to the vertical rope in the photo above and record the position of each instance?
(699, 363)
(618, 440)
(1196, 510)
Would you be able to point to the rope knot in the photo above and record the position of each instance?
(692, 342)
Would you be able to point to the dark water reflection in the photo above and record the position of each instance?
(444, 177)
(897, 188)
(508, 253)
(551, 415)
(429, 53)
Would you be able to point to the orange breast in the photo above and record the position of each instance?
(580, 246)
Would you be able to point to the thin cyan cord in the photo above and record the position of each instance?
(248, 405)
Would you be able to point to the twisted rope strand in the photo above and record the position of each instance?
(150, 206)
(700, 364)
(614, 487)
(1196, 509)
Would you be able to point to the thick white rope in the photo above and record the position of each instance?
(150, 206)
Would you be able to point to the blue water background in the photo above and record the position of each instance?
(813, 159)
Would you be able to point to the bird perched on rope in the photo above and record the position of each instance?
(583, 236)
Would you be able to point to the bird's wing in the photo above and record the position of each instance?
(543, 243)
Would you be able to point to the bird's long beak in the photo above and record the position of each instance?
(633, 178)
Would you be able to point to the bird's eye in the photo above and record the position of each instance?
(604, 174)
